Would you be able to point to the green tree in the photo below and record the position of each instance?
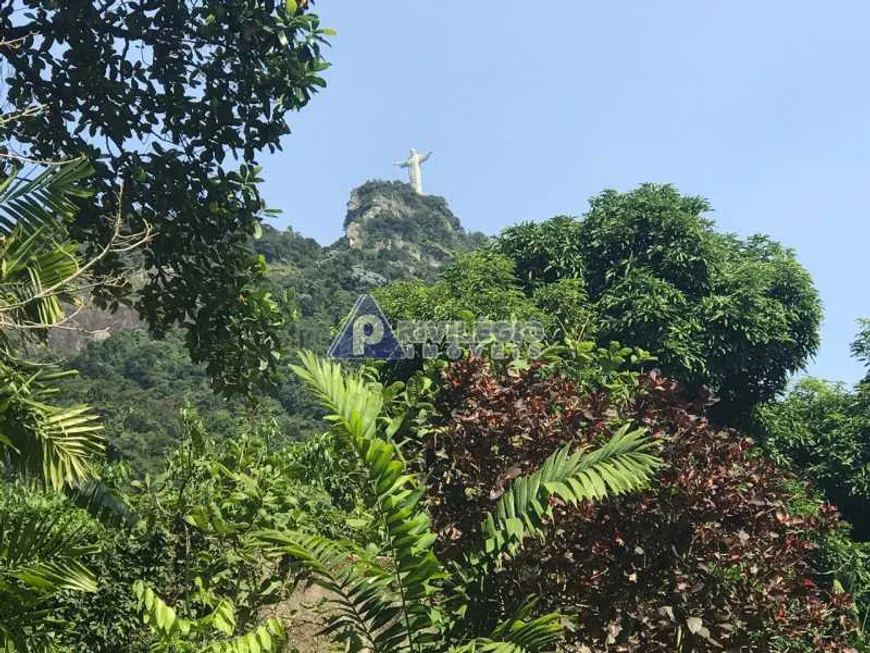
(176, 100)
(822, 430)
(477, 284)
(861, 346)
(545, 252)
(739, 316)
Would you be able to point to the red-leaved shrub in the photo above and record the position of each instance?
(714, 556)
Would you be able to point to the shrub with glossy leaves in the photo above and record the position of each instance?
(717, 556)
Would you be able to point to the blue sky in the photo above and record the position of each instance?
(533, 107)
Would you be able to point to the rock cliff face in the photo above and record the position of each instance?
(92, 325)
(418, 231)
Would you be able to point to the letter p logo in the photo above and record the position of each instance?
(366, 334)
(367, 330)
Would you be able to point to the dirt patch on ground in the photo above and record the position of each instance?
(303, 616)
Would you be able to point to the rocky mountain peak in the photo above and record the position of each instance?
(389, 215)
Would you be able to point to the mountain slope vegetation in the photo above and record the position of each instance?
(181, 469)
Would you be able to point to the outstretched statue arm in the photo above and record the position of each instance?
(425, 157)
(402, 164)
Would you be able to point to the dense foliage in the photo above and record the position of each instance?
(476, 284)
(643, 267)
(188, 534)
(41, 440)
(139, 385)
(483, 284)
(738, 316)
(723, 552)
(175, 101)
(581, 497)
(823, 429)
(43, 548)
(397, 596)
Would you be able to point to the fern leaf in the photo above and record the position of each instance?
(622, 465)
(355, 406)
(361, 601)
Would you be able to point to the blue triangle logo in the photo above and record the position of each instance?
(366, 334)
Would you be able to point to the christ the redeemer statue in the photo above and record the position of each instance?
(412, 163)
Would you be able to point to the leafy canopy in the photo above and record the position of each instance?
(176, 100)
(739, 316)
(644, 267)
(822, 429)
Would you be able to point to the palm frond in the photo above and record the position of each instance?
(355, 404)
(622, 465)
(538, 634)
(38, 264)
(45, 200)
(35, 250)
(101, 502)
(55, 443)
(39, 557)
(362, 603)
(518, 636)
(355, 407)
(33, 267)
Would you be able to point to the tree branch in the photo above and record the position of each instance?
(15, 36)
(116, 244)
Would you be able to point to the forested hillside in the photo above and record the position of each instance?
(140, 383)
(603, 452)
